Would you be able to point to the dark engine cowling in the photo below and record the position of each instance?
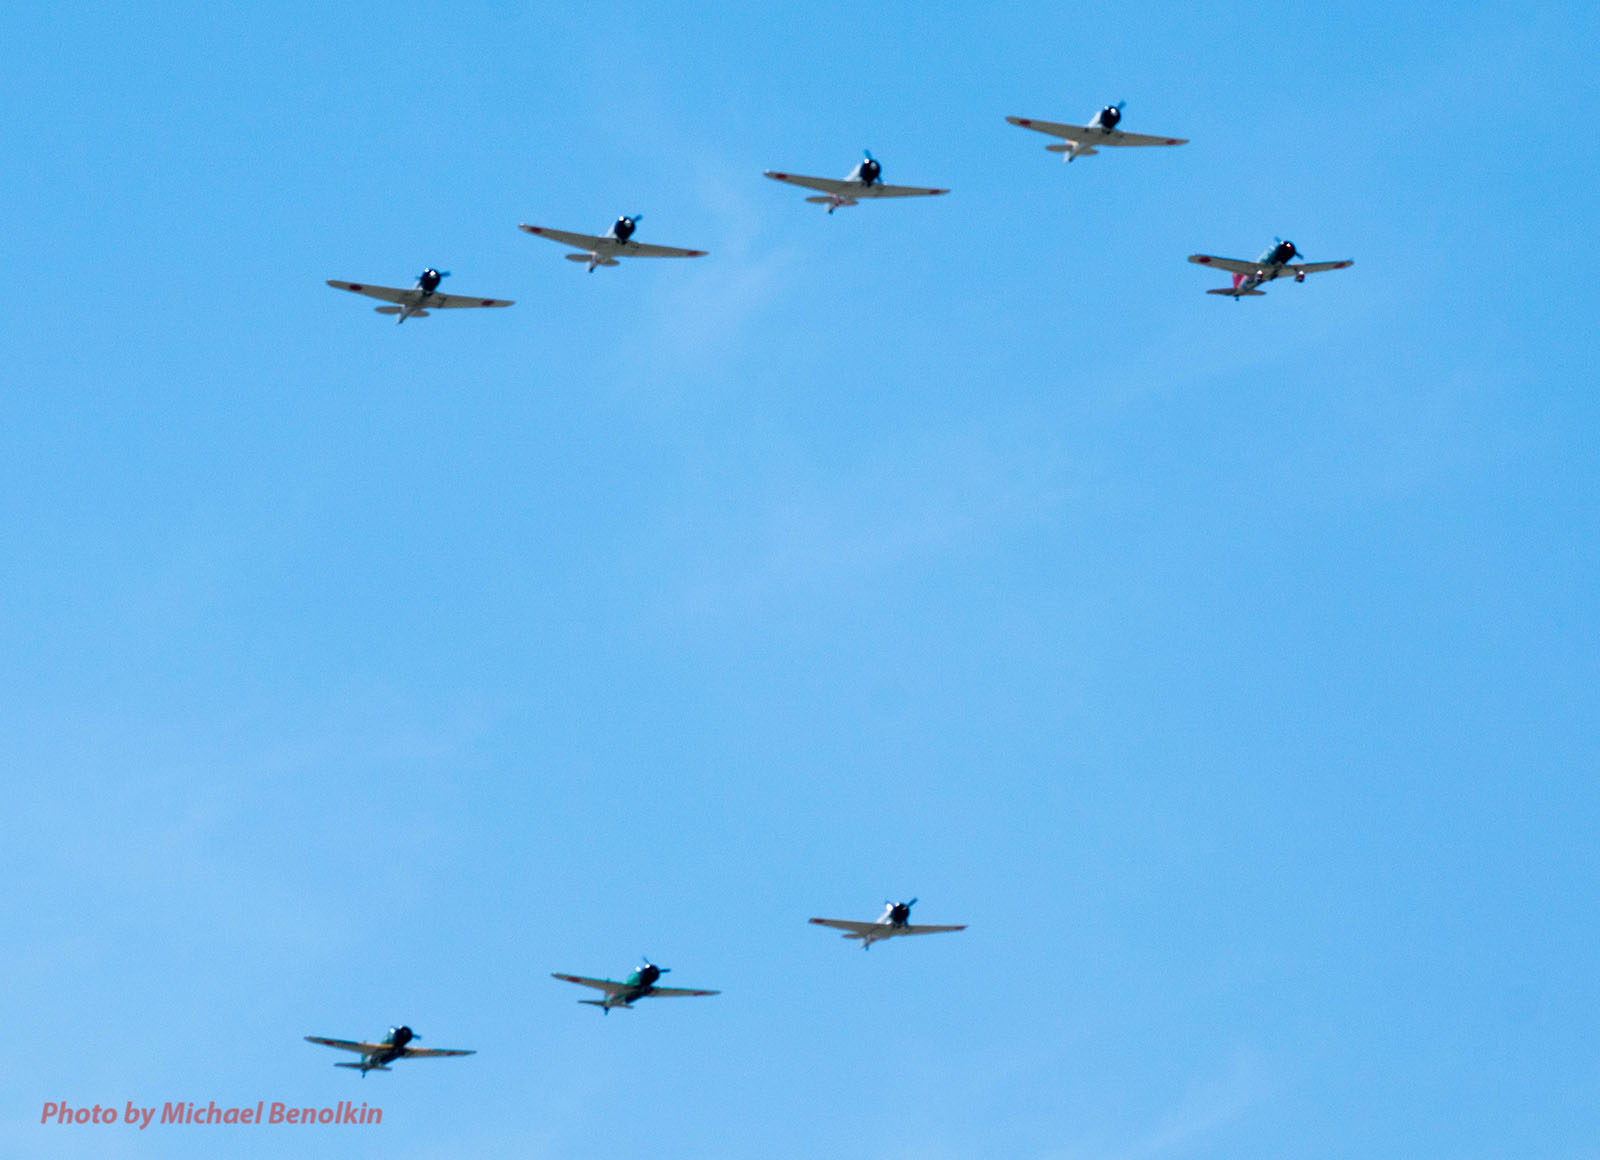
(1285, 252)
(400, 1036)
(899, 913)
(430, 283)
(649, 974)
(624, 228)
(1109, 116)
(870, 170)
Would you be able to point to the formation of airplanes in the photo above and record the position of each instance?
(863, 183)
(643, 983)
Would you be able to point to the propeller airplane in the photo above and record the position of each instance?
(378, 1056)
(639, 985)
(1081, 140)
(420, 299)
(895, 921)
(1273, 264)
(864, 181)
(616, 242)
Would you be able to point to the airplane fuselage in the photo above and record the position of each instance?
(639, 984)
(427, 282)
(1274, 261)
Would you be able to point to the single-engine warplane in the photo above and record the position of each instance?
(895, 921)
(1274, 263)
(417, 301)
(864, 181)
(1101, 130)
(616, 242)
(378, 1056)
(639, 985)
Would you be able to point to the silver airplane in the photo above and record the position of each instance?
(895, 921)
(604, 249)
(1271, 265)
(864, 181)
(378, 1056)
(421, 298)
(1101, 130)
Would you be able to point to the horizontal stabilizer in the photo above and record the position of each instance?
(358, 1067)
(602, 1003)
(387, 309)
(1240, 293)
(1083, 150)
(831, 201)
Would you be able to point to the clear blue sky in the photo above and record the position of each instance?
(1230, 668)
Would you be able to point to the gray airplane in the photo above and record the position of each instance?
(1080, 140)
(417, 301)
(895, 921)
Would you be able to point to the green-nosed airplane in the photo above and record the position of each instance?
(639, 985)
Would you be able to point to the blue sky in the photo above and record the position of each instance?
(1230, 668)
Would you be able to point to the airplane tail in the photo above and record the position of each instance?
(598, 261)
(604, 1006)
(1231, 293)
(360, 1068)
(1072, 151)
(387, 309)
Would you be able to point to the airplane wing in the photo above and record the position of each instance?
(566, 238)
(1231, 265)
(927, 929)
(424, 1052)
(1086, 134)
(387, 293)
(346, 1044)
(821, 184)
(853, 189)
(1238, 266)
(1318, 267)
(1065, 132)
(898, 191)
(644, 250)
(676, 992)
(610, 246)
(1120, 138)
(452, 301)
(609, 986)
(854, 928)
